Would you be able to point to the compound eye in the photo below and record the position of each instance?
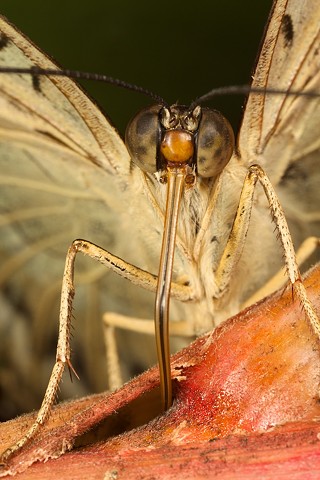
(215, 143)
(142, 138)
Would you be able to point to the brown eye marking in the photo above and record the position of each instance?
(142, 150)
(143, 124)
(142, 137)
(287, 30)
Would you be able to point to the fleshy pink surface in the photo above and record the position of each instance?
(246, 406)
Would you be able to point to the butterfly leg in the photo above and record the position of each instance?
(238, 233)
(111, 322)
(125, 270)
(288, 248)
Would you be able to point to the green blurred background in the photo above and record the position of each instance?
(180, 50)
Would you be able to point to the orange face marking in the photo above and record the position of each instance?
(177, 146)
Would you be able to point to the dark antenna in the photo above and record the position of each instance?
(246, 90)
(75, 74)
(97, 77)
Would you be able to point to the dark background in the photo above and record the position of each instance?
(180, 50)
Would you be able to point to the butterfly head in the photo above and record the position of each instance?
(159, 138)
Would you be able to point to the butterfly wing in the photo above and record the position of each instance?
(281, 132)
(64, 174)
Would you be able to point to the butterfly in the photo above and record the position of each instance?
(66, 174)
